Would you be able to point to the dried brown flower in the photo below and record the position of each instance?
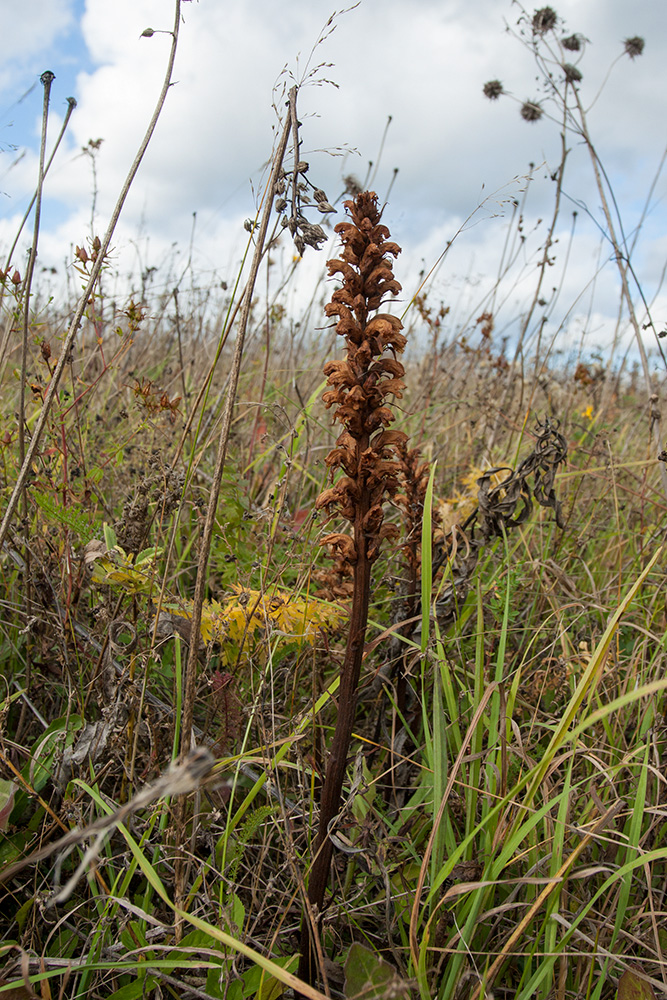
(493, 89)
(545, 19)
(531, 111)
(634, 46)
(572, 73)
(363, 381)
(572, 43)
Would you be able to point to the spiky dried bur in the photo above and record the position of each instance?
(362, 382)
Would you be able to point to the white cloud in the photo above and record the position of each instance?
(30, 29)
(423, 63)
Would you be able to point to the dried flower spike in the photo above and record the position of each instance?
(363, 381)
(366, 455)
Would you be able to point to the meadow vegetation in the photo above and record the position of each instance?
(374, 709)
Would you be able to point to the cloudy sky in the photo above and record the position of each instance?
(457, 155)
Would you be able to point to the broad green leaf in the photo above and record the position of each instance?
(631, 987)
(7, 792)
(369, 977)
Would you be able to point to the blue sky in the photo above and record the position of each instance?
(421, 61)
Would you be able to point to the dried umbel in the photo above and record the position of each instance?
(634, 46)
(492, 89)
(531, 111)
(545, 19)
(363, 381)
(572, 73)
(572, 43)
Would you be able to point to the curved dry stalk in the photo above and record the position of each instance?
(622, 263)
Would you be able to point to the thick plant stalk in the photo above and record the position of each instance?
(92, 281)
(366, 453)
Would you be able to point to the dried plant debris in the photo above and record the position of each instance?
(503, 502)
(295, 192)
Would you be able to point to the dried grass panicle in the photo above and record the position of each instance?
(361, 383)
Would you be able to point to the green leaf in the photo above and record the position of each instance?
(631, 987)
(7, 792)
(82, 524)
(134, 990)
(368, 977)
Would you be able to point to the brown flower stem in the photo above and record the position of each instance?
(366, 453)
(337, 760)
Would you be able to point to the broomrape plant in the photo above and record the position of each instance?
(366, 454)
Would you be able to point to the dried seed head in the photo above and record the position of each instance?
(634, 46)
(352, 185)
(545, 19)
(313, 235)
(531, 111)
(572, 74)
(493, 89)
(572, 43)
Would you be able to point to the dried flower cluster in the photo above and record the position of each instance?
(493, 89)
(293, 196)
(572, 43)
(362, 382)
(572, 73)
(545, 19)
(634, 46)
(414, 476)
(531, 111)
